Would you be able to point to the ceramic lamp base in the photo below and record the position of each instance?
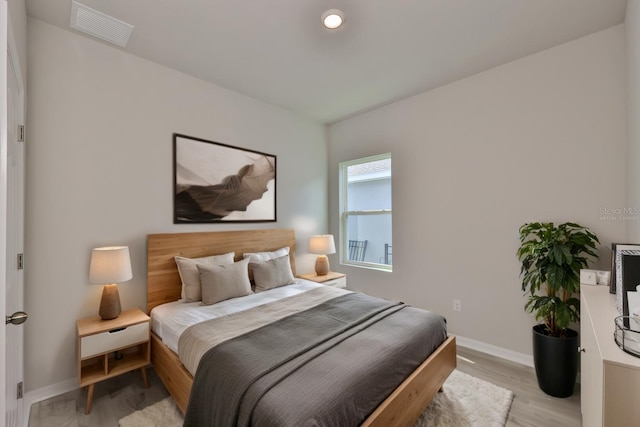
(110, 302)
(322, 265)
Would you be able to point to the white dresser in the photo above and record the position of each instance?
(610, 378)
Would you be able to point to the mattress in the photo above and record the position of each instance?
(169, 321)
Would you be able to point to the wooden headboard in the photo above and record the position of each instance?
(163, 280)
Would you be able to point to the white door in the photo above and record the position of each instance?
(3, 195)
(14, 236)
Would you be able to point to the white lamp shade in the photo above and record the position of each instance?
(110, 265)
(322, 245)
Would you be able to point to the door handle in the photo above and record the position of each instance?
(16, 318)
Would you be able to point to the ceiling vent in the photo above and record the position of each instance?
(99, 25)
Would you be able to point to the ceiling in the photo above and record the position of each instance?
(278, 52)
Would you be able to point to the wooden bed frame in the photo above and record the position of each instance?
(401, 408)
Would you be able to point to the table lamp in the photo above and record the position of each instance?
(322, 245)
(109, 266)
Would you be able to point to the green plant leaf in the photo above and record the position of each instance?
(556, 276)
(551, 258)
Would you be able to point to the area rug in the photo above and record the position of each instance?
(164, 413)
(465, 402)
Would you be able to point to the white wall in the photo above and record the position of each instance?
(632, 32)
(99, 172)
(541, 138)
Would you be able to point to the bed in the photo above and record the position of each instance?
(403, 403)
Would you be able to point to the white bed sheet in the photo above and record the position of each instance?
(169, 320)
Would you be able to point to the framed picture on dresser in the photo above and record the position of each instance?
(216, 183)
(625, 274)
(616, 262)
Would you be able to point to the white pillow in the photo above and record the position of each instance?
(255, 257)
(265, 256)
(190, 276)
(273, 273)
(223, 282)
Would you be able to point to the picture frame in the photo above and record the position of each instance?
(612, 282)
(220, 183)
(615, 247)
(625, 275)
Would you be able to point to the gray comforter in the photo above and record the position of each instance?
(329, 365)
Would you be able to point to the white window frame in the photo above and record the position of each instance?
(344, 214)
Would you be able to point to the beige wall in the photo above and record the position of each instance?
(99, 164)
(541, 138)
(632, 32)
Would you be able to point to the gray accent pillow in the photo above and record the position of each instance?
(223, 282)
(255, 257)
(190, 276)
(272, 273)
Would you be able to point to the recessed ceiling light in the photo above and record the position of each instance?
(332, 19)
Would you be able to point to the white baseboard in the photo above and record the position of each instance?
(47, 392)
(513, 356)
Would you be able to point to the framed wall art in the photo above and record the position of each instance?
(215, 183)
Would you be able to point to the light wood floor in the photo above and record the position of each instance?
(112, 399)
(120, 396)
(531, 407)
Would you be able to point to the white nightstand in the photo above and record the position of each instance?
(107, 348)
(332, 278)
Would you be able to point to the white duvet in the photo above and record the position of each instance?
(170, 320)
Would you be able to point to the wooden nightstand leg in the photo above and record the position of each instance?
(143, 370)
(89, 398)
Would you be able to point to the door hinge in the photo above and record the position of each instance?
(21, 133)
(19, 391)
(20, 261)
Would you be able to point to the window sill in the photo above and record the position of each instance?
(369, 266)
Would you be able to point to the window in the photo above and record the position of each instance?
(365, 212)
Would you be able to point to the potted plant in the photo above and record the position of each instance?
(551, 258)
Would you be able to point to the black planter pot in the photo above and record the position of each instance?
(556, 361)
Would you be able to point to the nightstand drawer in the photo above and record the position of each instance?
(108, 341)
(332, 278)
(338, 283)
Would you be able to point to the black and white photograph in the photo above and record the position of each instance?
(215, 182)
